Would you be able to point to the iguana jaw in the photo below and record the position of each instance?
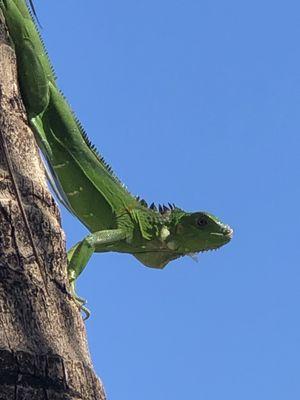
(214, 241)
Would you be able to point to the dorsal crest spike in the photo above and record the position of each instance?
(144, 203)
(165, 209)
(153, 207)
(170, 206)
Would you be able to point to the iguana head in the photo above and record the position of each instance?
(186, 234)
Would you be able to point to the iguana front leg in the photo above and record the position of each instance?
(79, 255)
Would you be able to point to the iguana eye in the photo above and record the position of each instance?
(202, 222)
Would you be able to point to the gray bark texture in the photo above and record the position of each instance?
(43, 348)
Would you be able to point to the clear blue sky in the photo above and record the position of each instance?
(194, 102)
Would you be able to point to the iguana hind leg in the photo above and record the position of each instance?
(79, 255)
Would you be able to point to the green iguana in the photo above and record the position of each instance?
(117, 220)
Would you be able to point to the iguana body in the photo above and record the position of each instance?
(117, 220)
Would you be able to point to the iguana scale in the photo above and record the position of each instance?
(117, 220)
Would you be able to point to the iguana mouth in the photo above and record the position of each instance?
(228, 232)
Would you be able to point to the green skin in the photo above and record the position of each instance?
(117, 220)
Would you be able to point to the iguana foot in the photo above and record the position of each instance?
(86, 311)
(80, 302)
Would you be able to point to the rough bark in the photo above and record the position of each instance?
(43, 347)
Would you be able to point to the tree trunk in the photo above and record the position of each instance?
(43, 347)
